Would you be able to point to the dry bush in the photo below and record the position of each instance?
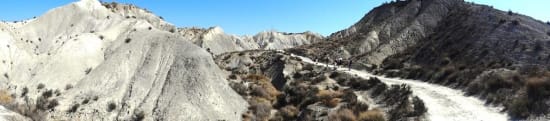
(28, 109)
(5, 97)
(264, 89)
(329, 94)
(342, 115)
(518, 108)
(260, 108)
(332, 102)
(288, 112)
(127, 40)
(329, 98)
(538, 87)
(371, 115)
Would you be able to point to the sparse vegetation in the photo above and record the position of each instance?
(288, 112)
(519, 108)
(138, 115)
(111, 106)
(371, 115)
(74, 108)
(149, 28)
(44, 102)
(88, 70)
(303, 91)
(68, 86)
(260, 108)
(5, 97)
(232, 76)
(101, 37)
(329, 98)
(342, 115)
(127, 40)
(24, 91)
(501, 21)
(263, 87)
(515, 22)
(6, 76)
(40, 86)
(172, 30)
(85, 101)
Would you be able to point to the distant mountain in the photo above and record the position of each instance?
(501, 56)
(218, 42)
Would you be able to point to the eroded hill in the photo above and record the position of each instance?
(502, 57)
(88, 61)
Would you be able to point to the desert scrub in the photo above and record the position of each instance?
(371, 115)
(262, 87)
(40, 86)
(342, 115)
(111, 106)
(127, 40)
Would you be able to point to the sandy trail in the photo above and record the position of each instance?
(444, 104)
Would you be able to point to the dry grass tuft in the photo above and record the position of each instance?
(5, 97)
(329, 98)
(342, 115)
(371, 115)
(264, 89)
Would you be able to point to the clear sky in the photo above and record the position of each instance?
(252, 16)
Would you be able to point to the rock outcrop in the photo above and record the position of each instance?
(217, 41)
(87, 61)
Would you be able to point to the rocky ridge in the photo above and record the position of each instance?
(215, 39)
(497, 55)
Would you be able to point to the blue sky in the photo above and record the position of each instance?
(252, 16)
